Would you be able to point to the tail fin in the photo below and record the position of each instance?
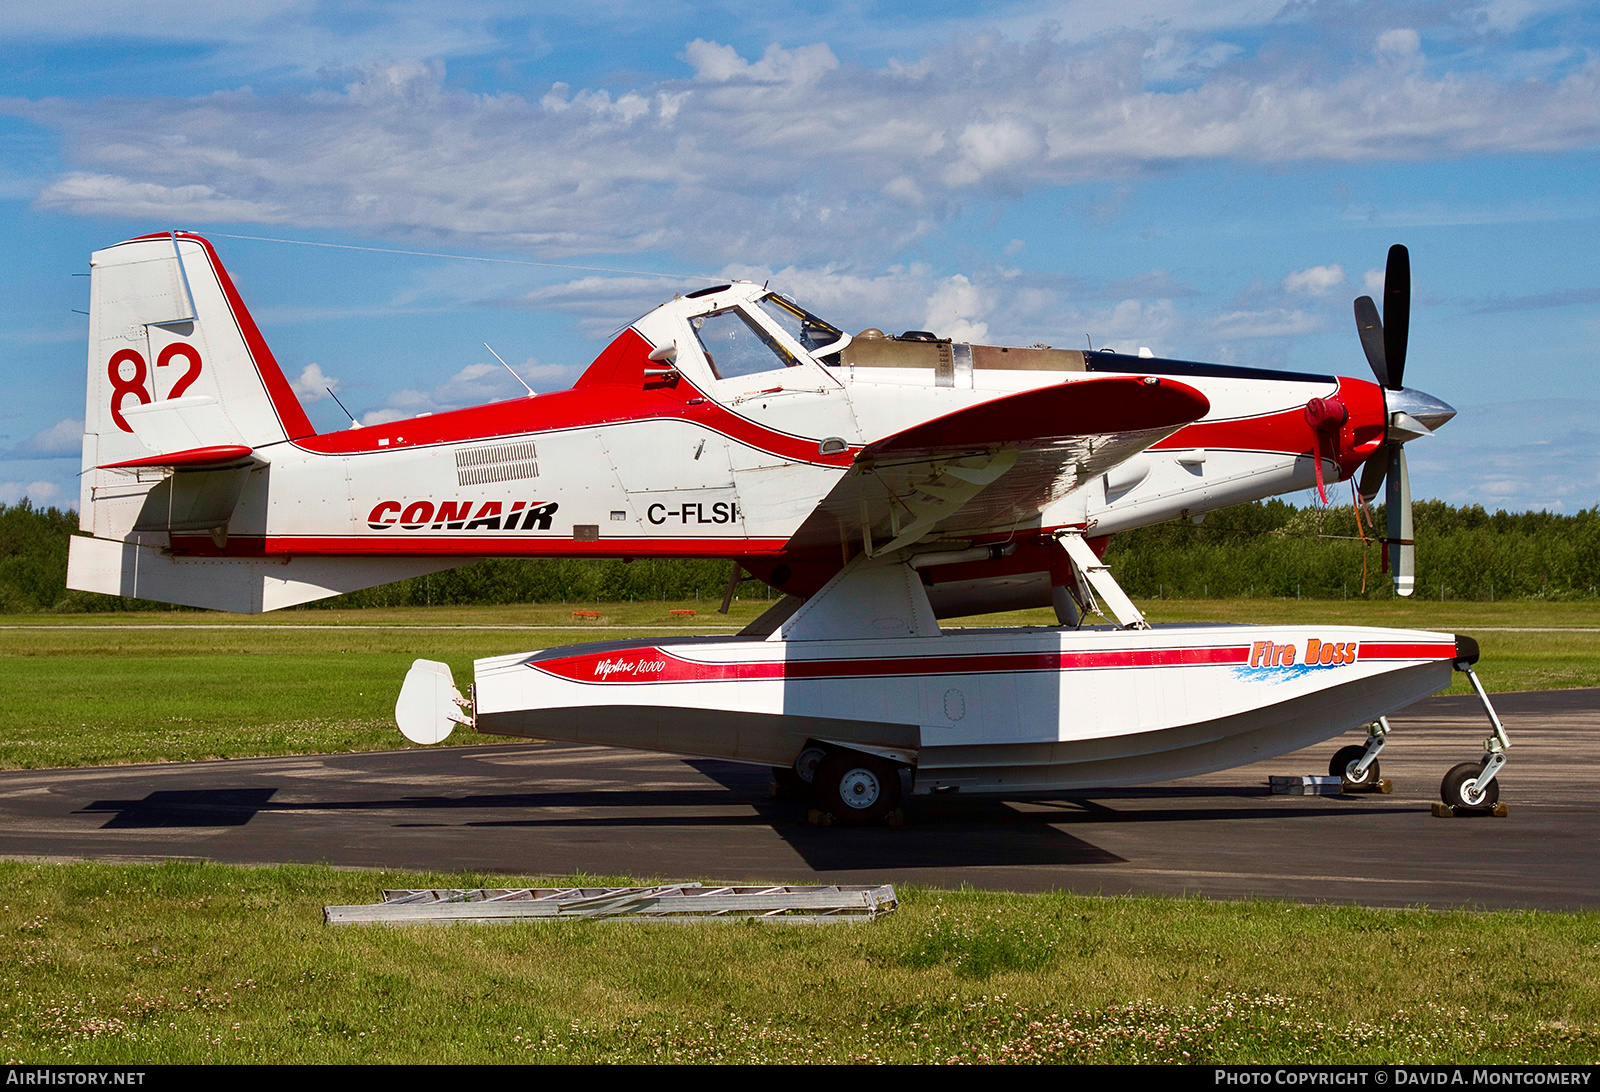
(185, 404)
(178, 375)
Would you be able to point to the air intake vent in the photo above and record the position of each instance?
(497, 463)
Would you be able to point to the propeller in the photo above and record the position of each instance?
(1410, 413)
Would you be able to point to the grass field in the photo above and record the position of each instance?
(205, 963)
(96, 689)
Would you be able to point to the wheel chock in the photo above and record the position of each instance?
(1442, 810)
(895, 818)
(818, 818)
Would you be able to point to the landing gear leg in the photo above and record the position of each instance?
(1471, 786)
(1358, 766)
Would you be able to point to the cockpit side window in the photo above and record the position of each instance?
(735, 346)
(800, 324)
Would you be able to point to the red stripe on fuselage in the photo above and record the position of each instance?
(1370, 651)
(593, 668)
(468, 545)
(656, 665)
(581, 407)
(1287, 432)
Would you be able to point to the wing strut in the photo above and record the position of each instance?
(1090, 570)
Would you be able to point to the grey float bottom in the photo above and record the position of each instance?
(686, 902)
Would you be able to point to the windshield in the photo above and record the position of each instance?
(798, 323)
(734, 346)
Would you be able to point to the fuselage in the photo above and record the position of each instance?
(687, 462)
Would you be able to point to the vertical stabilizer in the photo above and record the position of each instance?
(176, 364)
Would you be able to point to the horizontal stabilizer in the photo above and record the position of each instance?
(182, 424)
(219, 456)
(244, 585)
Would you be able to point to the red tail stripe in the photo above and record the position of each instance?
(290, 414)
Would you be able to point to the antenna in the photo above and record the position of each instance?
(507, 367)
(1090, 340)
(353, 422)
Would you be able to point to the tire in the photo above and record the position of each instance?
(1343, 759)
(805, 766)
(857, 789)
(795, 782)
(1453, 788)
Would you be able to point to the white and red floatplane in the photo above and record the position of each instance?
(880, 483)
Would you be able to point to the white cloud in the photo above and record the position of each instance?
(1401, 43)
(471, 386)
(62, 438)
(1274, 322)
(39, 493)
(1319, 280)
(1372, 281)
(990, 147)
(81, 190)
(721, 63)
(955, 308)
(313, 386)
(791, 157)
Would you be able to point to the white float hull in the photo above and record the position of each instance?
(977, 710)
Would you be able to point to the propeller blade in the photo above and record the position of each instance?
(1396, 314)
(1372, 475)
(1402, 553)
(1370, 327)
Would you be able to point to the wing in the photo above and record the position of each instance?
(997, 465)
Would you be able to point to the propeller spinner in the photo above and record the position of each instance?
(1410, 413)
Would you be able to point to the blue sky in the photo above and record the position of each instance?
(1214, 180)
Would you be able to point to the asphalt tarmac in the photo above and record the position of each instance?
(544, 809)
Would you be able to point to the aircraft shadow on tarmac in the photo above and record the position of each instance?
(943, 831)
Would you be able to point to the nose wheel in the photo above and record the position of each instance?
(1465, 787)
(1471, 788)
(1357, 767)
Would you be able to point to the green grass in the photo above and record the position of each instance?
(151, 687)
(117, 964)
(101, 689)
(1518, 653)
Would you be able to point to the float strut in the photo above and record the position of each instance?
(1377, 735)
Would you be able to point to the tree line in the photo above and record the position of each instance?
(1265, 549)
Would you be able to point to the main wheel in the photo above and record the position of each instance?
(857, 788)
(1455, 791)
(805, 767)
(1341, 766)
(795, 782)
